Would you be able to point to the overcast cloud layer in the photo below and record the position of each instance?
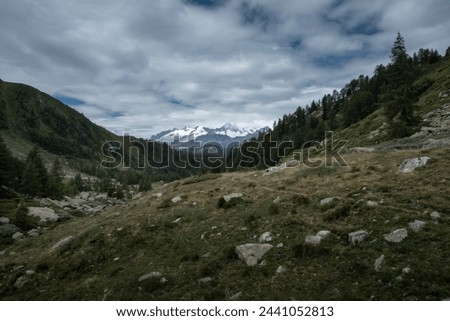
(145, 66)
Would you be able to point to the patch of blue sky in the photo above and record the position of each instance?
(206, 3)
(115, 114)
(178, 102)
(70, 101)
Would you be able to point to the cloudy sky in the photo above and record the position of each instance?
(142, 66)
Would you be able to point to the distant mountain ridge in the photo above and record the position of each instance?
(228, 133)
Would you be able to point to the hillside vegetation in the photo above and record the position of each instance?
(185, 249)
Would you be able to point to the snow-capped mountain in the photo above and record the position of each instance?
(226, 134)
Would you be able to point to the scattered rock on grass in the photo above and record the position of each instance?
(63, 242)
(251, 253)
(372, 203)
(409, 165)
(323, 234)
(357, 236)
(21, 281)
(312, 239)
(176, 199)
(417, 225)
(265, 237)
(328, 200)
(397, 236)
(231, 196)
(149, 275)
(280, 269)
(17, 236)
(33, 233)
(378, 265)
(4, 220)
(435, 216)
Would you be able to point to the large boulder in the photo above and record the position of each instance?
(252, 253)
(410, 164)
(44, 214)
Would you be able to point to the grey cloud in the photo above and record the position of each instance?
(247, 62)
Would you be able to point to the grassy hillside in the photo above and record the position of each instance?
(192, 243)
(30, 117)
(438, 75)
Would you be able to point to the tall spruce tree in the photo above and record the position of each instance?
(34, 180)
(398, 97)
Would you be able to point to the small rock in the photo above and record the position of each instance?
(236, 296)
(379, 263)
(397, 236)
(277, 200)
(252, 253)
(17, 236)
(323, 234)
(116, 259)
(63, 242)
(30, 272)
(372, 203)
(263, 263)
(205, 280)
(176, 199)
(406, 270)
(313, 239)
(266, 237)
(149, 275)
(280, 245)
(280, 269)
(194, 203)
(409, 165)
(33, 233)
(435, 215)
(357, 237)
(417, 225)
(178, 220)
(328, 200)
(229, 197)
(4, 220)
(21, 281)
(157, 195)
(138, 195)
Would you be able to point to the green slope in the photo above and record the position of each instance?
(31, 117)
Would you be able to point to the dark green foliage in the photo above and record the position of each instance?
(34, 181)
(398, 97)
(55, 183)
(10, 169)
(21, 220)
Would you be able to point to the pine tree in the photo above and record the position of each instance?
(398, 98)
(34, 180)
(7, 161)
(55, 183)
